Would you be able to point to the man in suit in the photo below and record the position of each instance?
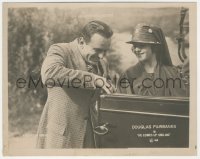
(74, 74)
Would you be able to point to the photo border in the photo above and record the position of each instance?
(192, 150)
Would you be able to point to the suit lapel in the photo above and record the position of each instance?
(76, 56)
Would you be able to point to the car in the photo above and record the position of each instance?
(132, 121)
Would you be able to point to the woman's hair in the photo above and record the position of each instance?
(162, 59)
(96, 27)
(156, 50)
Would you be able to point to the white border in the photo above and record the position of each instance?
(198, 76)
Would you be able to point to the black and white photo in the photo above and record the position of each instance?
(81, 78)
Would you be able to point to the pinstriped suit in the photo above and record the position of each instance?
(66, 113)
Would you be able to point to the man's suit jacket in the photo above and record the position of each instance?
(66, 112)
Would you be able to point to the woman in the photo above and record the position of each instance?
(154, 74)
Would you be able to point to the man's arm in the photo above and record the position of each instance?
(54, 71)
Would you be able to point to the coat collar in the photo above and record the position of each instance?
(76, 53)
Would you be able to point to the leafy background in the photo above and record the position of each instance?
(32, 30)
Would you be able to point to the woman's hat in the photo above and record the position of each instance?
(144, 33)
(149, 34)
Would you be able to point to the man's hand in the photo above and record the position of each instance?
(102, 83)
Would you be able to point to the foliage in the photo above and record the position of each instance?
(30, 33)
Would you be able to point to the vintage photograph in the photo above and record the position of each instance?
(99, 79)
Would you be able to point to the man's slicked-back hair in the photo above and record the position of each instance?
(96, 27)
